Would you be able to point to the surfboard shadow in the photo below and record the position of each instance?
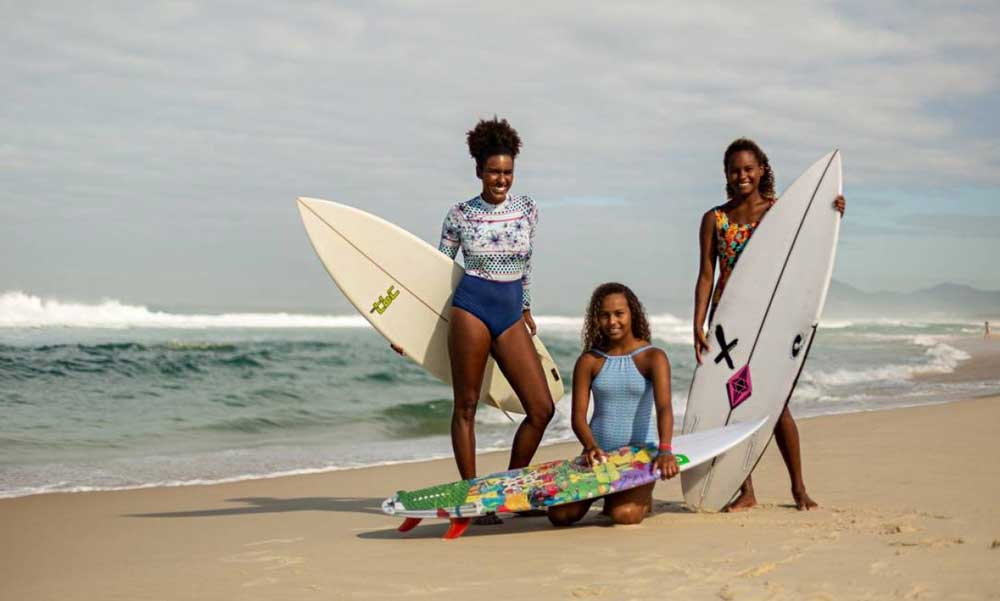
(254, 505)
(434, 528)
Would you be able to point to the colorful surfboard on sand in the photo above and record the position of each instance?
(555, 482)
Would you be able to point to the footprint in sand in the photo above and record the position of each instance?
(265, 558)
(582, 592)
(930, 543)
(897, 529)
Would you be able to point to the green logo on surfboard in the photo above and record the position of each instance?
(383, 302)
(681, 459)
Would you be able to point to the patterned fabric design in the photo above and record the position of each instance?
(443, 495)
(496, 240)
(542, 485)
(623, 403)
(730, 240)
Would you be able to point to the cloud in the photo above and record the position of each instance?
(161, 113)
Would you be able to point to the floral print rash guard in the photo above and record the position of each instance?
(496, 240)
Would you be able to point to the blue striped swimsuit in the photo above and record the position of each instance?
(623, 403)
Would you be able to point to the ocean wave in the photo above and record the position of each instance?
(20, 310)
(914, 322)
(941, 358)
(418, 419)
(130, 359)
(665, 326)
(259, 424)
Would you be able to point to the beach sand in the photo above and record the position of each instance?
(909, 511)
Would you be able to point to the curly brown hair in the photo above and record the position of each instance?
(492, 137)
(766, 182)
(592, 336)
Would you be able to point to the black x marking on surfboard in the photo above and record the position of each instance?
(725, 346)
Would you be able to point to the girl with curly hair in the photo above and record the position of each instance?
(724, 233)
(491, 308)
(628, 377)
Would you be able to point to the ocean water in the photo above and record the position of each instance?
(108, 395)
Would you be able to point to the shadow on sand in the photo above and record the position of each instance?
(253, 505)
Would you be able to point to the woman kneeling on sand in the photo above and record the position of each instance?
(627, 377)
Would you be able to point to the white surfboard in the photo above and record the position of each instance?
(403, 287)
(763, 328)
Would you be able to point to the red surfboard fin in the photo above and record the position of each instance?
(457, 528)
(409, 524)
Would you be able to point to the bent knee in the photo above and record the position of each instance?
(565, 516)
(628, 514)
(543, 415)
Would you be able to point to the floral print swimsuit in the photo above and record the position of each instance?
(730, 240)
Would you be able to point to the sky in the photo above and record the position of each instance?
(152, 152)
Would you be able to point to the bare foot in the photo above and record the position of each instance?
(489, 519)
(745, 501)
(803, 502)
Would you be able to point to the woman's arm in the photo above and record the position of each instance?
(703, 286)
(526, 274)
(583, 375)
(660, 376)
(451, 233)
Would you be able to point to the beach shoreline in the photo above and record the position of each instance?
(897, 521)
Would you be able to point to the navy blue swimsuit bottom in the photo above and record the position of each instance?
(496, 304)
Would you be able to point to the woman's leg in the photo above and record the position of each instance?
(515, 354)
(568, 514)
(468, 348)
(787, 437)
(630, 506)
(747, 498)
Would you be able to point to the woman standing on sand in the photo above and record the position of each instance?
(628, 377)
(491, 308)
(724, 232)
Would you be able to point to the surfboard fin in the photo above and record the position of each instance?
(409, 524)
(457, 528)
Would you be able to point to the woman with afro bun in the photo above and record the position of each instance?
(491, 308)
(725, 231)
(628, 378)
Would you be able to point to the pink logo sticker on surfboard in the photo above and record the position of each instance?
(739, 387)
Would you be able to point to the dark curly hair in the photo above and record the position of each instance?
(492, 137)
(592, 335)
(766, 182)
